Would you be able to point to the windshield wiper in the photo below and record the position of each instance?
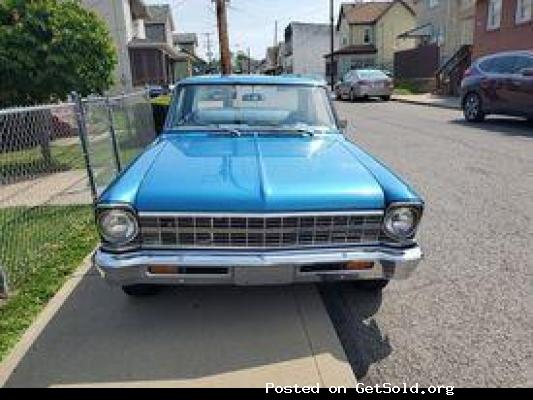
(232, 131)
(306, 131)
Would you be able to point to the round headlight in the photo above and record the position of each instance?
(117, 226)
(400, 222)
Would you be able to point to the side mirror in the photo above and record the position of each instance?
(527, 72)
(343, 124)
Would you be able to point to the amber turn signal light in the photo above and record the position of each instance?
(164, 270)
(359, 265)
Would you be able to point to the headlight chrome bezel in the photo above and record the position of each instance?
(108, 241)
(416, 208)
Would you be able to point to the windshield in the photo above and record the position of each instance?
(371, 74)
(253, 106)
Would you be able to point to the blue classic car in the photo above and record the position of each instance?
(252, 182)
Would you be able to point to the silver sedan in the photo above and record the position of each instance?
(364, 83)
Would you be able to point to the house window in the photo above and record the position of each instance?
(433, 3)
(494, 14)
(367, 36)
(523, 11)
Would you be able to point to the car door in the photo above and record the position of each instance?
(523, 85)
(487, 84)
(504, 84)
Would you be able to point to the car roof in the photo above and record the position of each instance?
(250, 80)
(506, 53)
(367, 70)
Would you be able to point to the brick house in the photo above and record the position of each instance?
(503, 25)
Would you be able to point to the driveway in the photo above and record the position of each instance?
(464, 319)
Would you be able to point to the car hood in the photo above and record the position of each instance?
(256, 173)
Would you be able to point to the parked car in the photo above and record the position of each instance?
(157, 90)
(253, 182)
(364, 83)
(499, 84)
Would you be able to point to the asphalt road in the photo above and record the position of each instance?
(464, 319)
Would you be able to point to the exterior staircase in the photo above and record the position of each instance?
(450, 74)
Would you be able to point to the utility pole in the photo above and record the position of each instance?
(276, 33)
(223, 39)
(276, 48)
(332, 43)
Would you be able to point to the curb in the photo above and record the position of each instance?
(424, 103)
(12, 360)
(330, 358)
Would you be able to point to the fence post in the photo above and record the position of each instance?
(82, 131)
(113, 134)
(3, 283)
(127, 114)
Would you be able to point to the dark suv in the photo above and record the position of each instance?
(501, 83)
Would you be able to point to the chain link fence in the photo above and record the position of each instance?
(54, 161)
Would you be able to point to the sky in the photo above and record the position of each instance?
(251, 22)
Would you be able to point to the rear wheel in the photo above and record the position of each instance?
(373, 285)
(140, 290)
(473, 108)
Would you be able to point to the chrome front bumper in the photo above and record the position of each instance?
(255, 268)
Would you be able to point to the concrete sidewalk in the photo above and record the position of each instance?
(186, 337)
(59, 188)
(430, 100)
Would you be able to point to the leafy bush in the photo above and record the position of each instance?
(49, 48)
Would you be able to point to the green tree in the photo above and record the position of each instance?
(49, 48)
(240, 62)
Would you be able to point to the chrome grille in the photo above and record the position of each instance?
(259, 231)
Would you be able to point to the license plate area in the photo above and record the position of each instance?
(256, 276)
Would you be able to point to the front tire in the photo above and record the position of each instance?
(385, 98)
(373, 285)
(140, 290)
(473, 108)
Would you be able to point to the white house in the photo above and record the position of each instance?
(305, 46)
(125, 21)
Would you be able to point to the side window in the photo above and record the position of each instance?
(486, 65)
(523, 62)
(499, 65)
